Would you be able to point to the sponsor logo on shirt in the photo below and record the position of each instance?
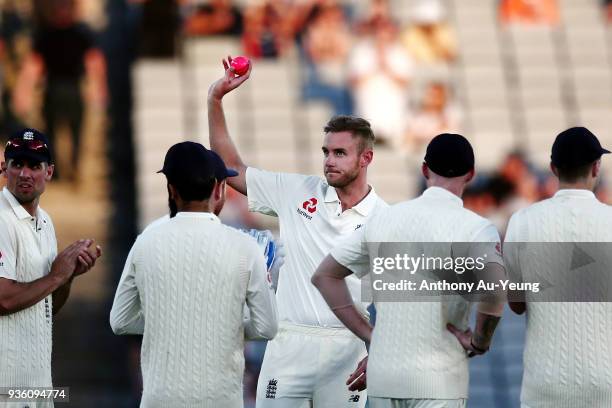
(310, 206)
(271, 389)
(358, 226)
(498, 249)
(353, 398)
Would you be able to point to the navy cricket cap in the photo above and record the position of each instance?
(450, 155)
(576, 146)
(187, 159)
(28, 144)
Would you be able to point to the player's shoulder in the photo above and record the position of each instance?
(295, 180)
(241, 241)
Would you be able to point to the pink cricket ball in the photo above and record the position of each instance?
(240, 65)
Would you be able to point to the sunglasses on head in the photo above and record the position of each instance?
(37, 146)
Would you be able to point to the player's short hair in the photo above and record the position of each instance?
(359, 127)
(572, 174)
(194, 188)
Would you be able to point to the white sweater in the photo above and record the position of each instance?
(185, 286)
(28, 248)
(568, 350)
(412, 354)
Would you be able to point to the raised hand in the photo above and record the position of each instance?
(229, 81)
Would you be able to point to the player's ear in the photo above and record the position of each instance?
(470, 176)
(425, 171)
(49, 171)
(595, 169)
(366, 157)
(554, 169)
(219, 190)
(172, 192)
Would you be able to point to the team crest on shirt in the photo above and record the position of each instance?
(271, 388)
(308, 207)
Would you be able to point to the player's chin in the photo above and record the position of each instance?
(335, 179)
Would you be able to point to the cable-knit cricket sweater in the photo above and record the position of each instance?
(568, 350)
(184, 287)
(27, 250)
(412, 354)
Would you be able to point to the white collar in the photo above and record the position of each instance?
(574, 192)
(204, 215)
(18, 209)
(440, 193)
(364, 207)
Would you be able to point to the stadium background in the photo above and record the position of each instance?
(508, 74)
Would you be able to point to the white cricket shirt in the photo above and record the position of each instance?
(311, 223)
(184, 287)
(412, 354)
(27, 249)
(568, 346)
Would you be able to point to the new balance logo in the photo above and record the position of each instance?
(354, 398)
(271, 390)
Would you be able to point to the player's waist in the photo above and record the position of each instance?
(326, 331)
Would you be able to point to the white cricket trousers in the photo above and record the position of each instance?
(306, 366)
(376, 402)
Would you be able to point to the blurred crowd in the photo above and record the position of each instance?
(356, 56)
(514, 185)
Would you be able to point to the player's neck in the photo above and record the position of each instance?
(449, 185)
(195, 206)
(352, 194)
(578, 185)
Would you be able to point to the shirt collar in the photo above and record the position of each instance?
(364, 207)
(440, 193)
(18, 209)
(202, 215)
(577, 193)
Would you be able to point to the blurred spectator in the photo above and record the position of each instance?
(430, 39)
(262, 36)
(327, 43)
(529, 12)
(380, 71)
(378, 10)
(14, 42)
(608, 10)
(159, 28)
(63, 51)
(435, 115)
(217, 17)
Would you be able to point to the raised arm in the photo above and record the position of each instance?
(220, 140)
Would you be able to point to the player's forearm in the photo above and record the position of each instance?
(485, 327)
(337, 295)
(60, 296)
(222, 144)
(16, 296)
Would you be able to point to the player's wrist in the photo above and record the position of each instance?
(478, 348)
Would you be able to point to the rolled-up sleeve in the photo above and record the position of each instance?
(352, 253)
(126, 315)
(262, 321)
